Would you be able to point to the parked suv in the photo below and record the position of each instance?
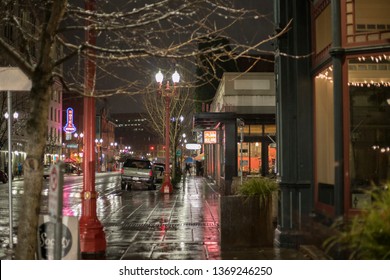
(137, 171)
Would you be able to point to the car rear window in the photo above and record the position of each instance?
(159, 168)
(141, 164)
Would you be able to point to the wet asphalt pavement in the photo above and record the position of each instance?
(143, 225)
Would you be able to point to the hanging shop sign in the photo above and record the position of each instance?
(210, 137)
(69, 127)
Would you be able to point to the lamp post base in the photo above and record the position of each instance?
(92, 236)
(166, 186)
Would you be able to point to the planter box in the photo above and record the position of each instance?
(245, 222)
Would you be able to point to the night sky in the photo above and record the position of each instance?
(247, 34)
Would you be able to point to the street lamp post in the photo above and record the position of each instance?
(92, 236)
(167, 93)
(9, 123)
(79, 157)
(99, 143)
(114, 147)
(184, 141)
(78, 138)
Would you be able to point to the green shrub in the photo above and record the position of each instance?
(258, 186)
(367, 236)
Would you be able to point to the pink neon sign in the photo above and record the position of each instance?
(69, 127)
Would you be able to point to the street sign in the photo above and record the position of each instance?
(55, 210)
(55, 193)
(178, 152)
(70, 241)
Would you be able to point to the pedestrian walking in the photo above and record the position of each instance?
(197, 166)
(188, 168)
(20, 169)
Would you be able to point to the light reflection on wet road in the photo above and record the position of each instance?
(143, 224)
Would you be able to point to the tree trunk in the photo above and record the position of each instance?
(36, 128)
(33, 178)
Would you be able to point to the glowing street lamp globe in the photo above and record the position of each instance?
(175, 77)
(159, 77)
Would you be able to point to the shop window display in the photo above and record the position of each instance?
(369, 92)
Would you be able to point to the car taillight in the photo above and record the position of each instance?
(151, 173)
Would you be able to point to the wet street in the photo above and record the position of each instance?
(142, 224)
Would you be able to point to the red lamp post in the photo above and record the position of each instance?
(92, 237)
(167, 93)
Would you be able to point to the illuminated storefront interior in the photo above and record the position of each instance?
(251, 153)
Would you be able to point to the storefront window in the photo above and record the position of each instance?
(270, 129)
(324, 135)
(255, 158)
(251, 153)
(243, 157)
(256, 129)
(272, 158)
(369, 91)
(245, 130)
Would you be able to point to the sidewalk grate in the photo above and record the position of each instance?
(140, 226)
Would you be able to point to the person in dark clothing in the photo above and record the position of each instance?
(188, 168)
(198, 166)
(201, 169)
(20, 169)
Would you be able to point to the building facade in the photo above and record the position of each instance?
(242, 116)
(333, 90)
(19, 22)
(73, 147)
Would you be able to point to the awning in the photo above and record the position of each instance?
(200, 157)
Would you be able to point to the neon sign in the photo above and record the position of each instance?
(69, 127)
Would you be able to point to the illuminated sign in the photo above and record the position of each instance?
(191, 146)
(210, 136)
(69, 127)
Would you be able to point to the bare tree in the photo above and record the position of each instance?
(181, 109)
(133, 39)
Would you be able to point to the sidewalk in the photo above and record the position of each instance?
(184, 225)
(179, 226)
